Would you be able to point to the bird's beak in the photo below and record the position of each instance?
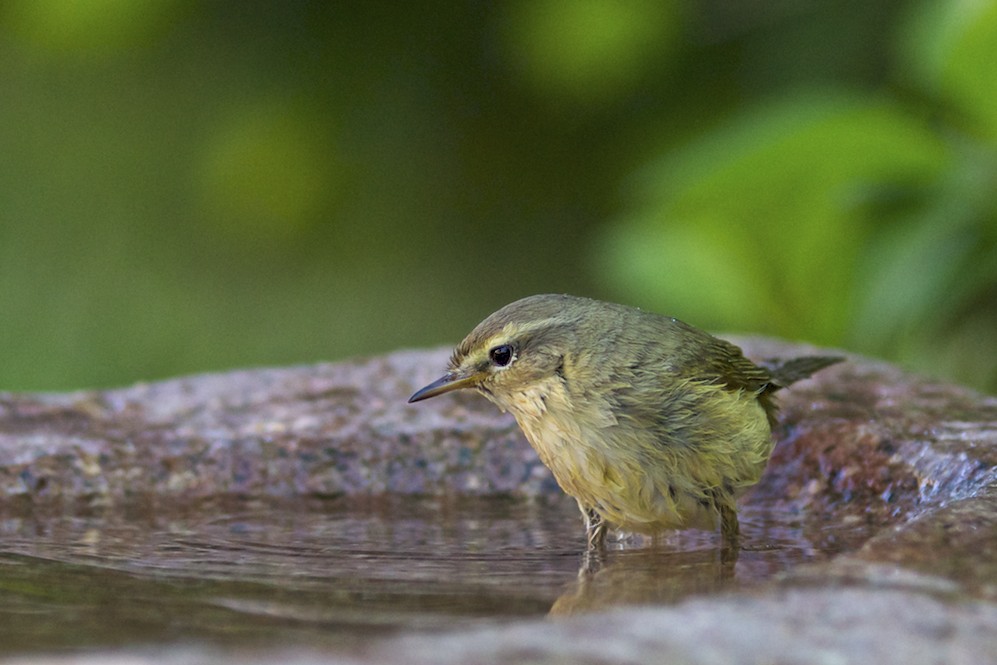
(444, 384)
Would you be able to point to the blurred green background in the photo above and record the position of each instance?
(197, 186)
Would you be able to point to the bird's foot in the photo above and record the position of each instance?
(595, 530)
(730, 537)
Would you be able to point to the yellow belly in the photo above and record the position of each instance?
(645, 479)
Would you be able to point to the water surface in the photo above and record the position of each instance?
(338, 572)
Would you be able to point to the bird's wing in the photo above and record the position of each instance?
(702, 357)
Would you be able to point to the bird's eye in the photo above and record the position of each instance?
(501, 355)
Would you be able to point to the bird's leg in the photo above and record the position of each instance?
(730, 528)
(595, 535)
(730, 535)
(595, 531)
(595, 528)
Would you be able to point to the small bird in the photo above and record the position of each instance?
(649, 423)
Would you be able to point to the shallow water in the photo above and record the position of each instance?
(336, 572)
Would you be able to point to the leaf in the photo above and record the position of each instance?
(952, 47)
(767, 216)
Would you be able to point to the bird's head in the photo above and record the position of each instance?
(510, 351)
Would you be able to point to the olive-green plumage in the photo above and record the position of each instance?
(649, 423)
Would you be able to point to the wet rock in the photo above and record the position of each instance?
(819, 626)
(860, 441)
(323, 430)
(813, 626)
(910, 460)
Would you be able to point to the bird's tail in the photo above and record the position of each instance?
(786, 372)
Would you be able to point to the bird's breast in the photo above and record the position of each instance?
(646, 478)
(570, 441)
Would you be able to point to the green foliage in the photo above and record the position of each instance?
(267, 172)
(589, 51)
(94, 27)
(187, 187)
(762, 223)
(843, 219)
(952, 48)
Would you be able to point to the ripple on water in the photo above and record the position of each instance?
(334, 571)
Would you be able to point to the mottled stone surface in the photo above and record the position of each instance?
(860, 434)
(321, 430)
(861, 443)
